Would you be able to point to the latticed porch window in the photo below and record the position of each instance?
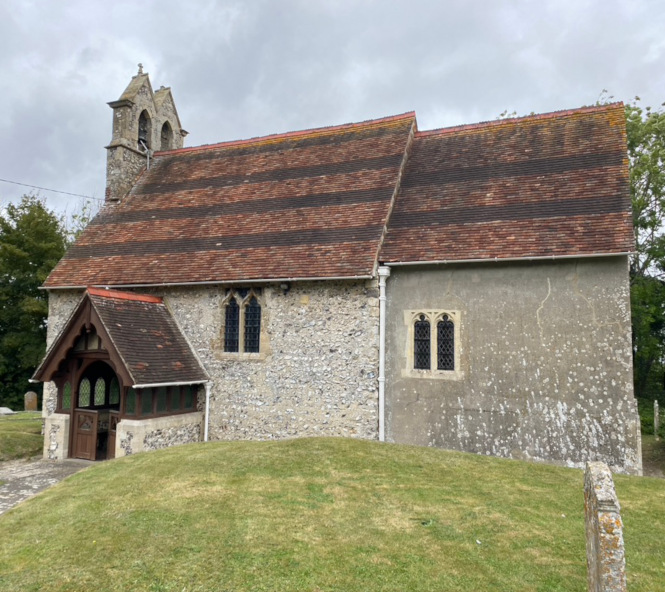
(100, 391)
(252, 325)
(421, 344)
(445, 344)
(84, 393)
(130, 402)
(67, 396)
(114, 392)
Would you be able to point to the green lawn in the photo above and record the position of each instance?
(319, 515)
(20, 435)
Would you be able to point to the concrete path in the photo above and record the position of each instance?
(22, 479)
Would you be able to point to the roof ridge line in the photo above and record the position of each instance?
(118, 295)
(292, 134)
(521, 118)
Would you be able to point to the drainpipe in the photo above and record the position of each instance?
(207, 417)
(384, 272)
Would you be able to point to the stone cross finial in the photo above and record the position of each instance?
(140, 68)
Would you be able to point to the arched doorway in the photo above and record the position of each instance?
(96, 402)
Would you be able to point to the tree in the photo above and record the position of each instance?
(32, 240)
(646, 152)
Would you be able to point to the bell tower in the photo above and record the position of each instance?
(144, 122)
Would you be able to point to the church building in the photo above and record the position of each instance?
(465, 288)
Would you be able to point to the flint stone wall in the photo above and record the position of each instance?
(316, 373)
(141, 435)
(61, 305)
(606, 563)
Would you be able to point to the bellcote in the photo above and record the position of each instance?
(144, 122)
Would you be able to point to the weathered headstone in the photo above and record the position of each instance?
(606, 562)
(30, 401)
(656, 418)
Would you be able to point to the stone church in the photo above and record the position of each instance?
(465, 288)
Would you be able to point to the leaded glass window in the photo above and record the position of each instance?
(84, 393)
(100, 391)
(146, 402)
(161, 399)
(445, 344)
(252, 325)
(421, 344)
(67, 396)
(130, 402)
(175, 398)
(114, 392)
(189, 397)
(232, 326)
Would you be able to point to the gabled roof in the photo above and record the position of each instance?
(539, 186)
(315, 204)
(310, 204)
(138, 331)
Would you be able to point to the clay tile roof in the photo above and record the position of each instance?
(310, 204)
(539, 186)
(147, 338)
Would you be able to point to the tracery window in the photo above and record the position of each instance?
(434, 345)
(242, 321)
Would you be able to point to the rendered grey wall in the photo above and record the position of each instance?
(545, 365)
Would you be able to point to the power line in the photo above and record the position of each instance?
(52, 190)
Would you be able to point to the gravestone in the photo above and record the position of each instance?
(30, 401)
(606, 562)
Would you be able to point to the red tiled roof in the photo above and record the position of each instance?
(538, 186)
(310, 204)
(315, 204)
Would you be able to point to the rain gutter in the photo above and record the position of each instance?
(508, 259)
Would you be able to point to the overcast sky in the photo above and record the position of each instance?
(239, 69)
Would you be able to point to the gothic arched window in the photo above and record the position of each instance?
(232, 326)
(84, 393)
(421, 344)
(445, 344)
(242, 321)
(100, 391)
(252, 325)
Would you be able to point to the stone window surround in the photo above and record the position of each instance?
(242, 303)
(433, 316)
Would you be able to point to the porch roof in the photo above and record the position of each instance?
(139, 333)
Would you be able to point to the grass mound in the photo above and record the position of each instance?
(21, 435)
(319, 515)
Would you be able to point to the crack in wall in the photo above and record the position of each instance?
(540, 309)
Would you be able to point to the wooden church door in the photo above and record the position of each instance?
(85, 433)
